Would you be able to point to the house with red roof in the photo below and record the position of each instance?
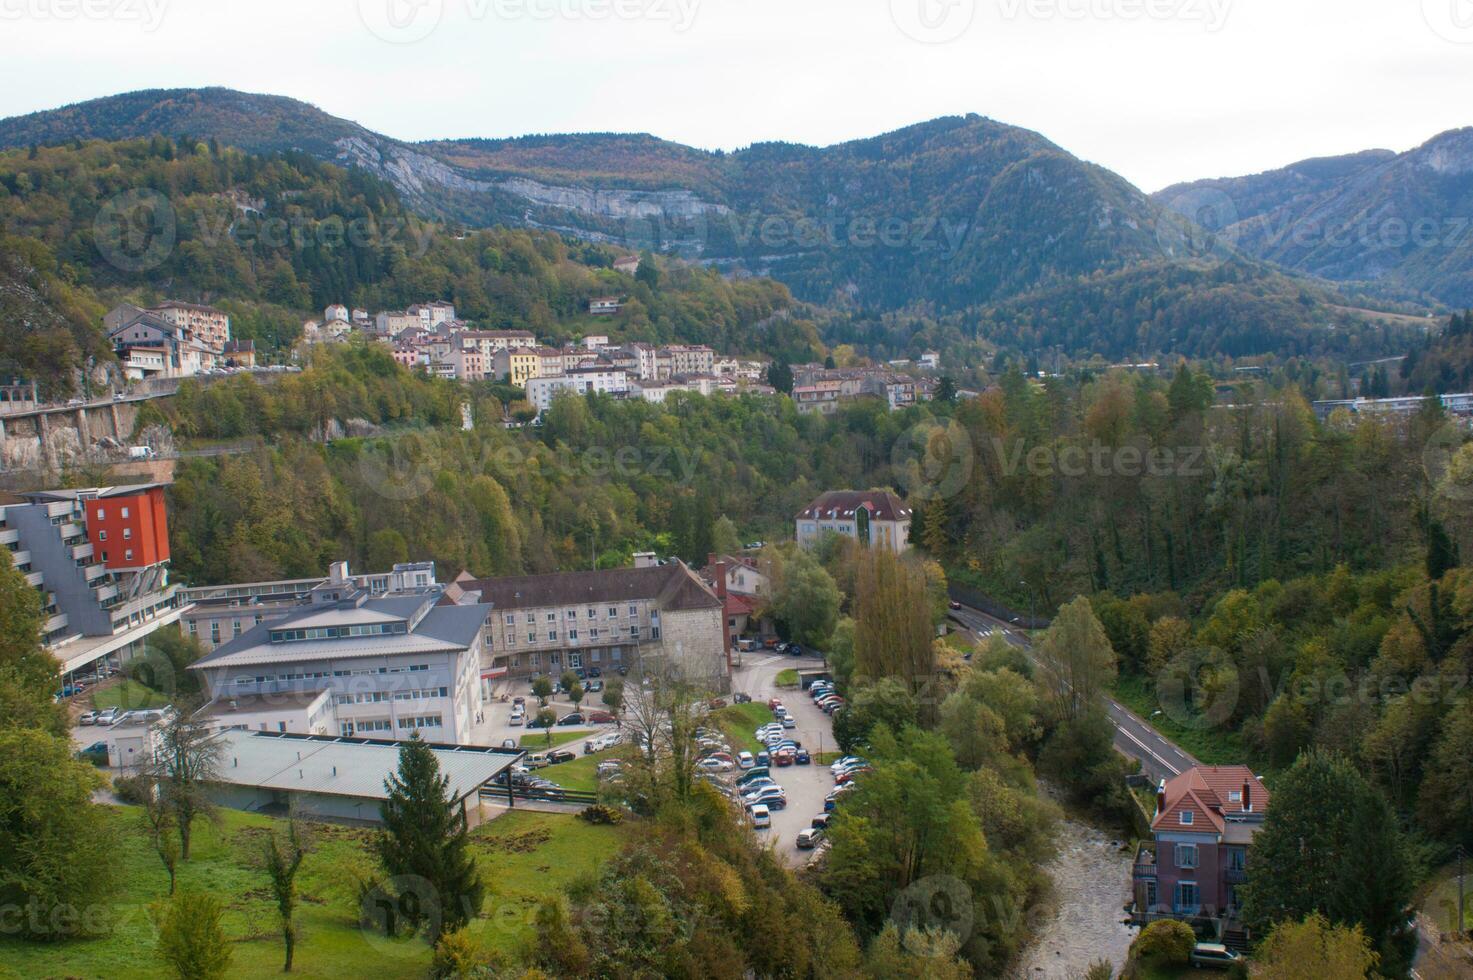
(876, 518)
(1203, 830)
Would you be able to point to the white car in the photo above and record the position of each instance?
(107, 716)
(87, 718)
(789, 721)
(840, 764)
(761, 817)
(713, 764)
(745, 760)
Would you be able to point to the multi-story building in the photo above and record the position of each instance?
(465, 362)
(381, 667)
(580, 381)
(628, 264)
(876, 518)
(627, 617)
(821, 398)
(691, 359)
(100, 559)
(211, 327)
(239, 353)
(517, 365)
(336, 311)
(215, 614)
(549, 362)
(647, 360)
(491, 341)
(605, 305)
(391, 323)
(183, 355)
(1203, 829)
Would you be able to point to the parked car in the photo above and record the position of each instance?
(87, 718)
(821, 821)
(746, 760)
(773, 797)
(714, 763)
(595, 672)
(808, 838)
(535, 761)
(955, 605)
(517, 719)
(741, 698)
(785, 756)
(107, 716)
(533, 723)
(1212, 955)
(593, 687)
(789, 721)
(561, 755)
(761, 817)
(508, 743)
(802, 758)
(763, 759)
(842, 761)
(774, 703)
(600, 718)
(573, 718)
(752, 775)
(794, 650)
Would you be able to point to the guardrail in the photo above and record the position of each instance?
(996, 610)
(575, 797)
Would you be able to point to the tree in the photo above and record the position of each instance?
(27, 671)
(613, 695)
(1314, 948)
(576, 694)
(1075, 660)
(192, 938)
(54, 849)
(423, 846)
(804, 596)
(386, 548)
(559, 948)
(186, 760)
(647, 272)
(157, 818)
(546, 718)
(1447, 788)
(281, 857)
(780, 376)
(893, 633)
(1329, 844)
(945, 390)
(724, 537)
(542, 688)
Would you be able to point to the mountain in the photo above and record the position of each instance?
(989, 225)
(1395, 225)
(955, 211)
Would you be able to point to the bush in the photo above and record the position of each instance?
(458, 956)
(601, 813)
(132, 790)
(1168, 942)
(191, 938)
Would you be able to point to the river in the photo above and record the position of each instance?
(1082, 924)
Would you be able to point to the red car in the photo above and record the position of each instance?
(774, 703)
(784, 757)
(600, 718)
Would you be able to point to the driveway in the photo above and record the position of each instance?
(806, 786)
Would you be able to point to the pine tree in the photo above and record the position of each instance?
(423, 845)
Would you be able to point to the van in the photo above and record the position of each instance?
(1213, 955)
(761, 817)
(535, 761)
(141, 452)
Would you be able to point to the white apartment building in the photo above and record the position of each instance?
(877, 518)
(580, 381)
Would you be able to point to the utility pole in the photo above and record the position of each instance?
(1459, 930)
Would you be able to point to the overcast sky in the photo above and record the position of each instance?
(1157, 90)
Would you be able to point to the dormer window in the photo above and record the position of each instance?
(1187, 816)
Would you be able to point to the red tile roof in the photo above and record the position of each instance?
(882, 505)
(1209, 793)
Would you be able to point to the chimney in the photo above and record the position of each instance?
(1160, 799)
(1247, 798)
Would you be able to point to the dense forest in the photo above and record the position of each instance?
(274, 239)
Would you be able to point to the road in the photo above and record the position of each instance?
(806, 786)
(1160, 758)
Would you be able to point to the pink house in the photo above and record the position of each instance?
(1204, 824)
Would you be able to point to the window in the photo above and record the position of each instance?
(593, 633)
(1187, 817)
(654, 632)
(572, 634)
(592, 613)
(128, 555)
(193, 628)
(531, 619)
(101, 514)
(127, 533)
(552, 636)
(634, 610)
(1186, 856)
(510, 639)
(575, 660)
(1187, 898)
(613, 612)
(125, 513)
(102, 535)
(572, 614)
(511, 619)
(531, 637)
(1237, 859)
(552, 617)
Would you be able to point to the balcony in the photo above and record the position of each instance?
(1234, 876)
(104, 592)
(1144, 868)
(35, 579)
(55, 623)
(69, 530)
(9, 536)
(82, 551)
(93, 572)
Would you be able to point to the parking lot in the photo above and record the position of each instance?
(806, 786)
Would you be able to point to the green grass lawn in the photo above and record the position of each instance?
(1441, 901)
(537, 740)
(127, 695)
(582, 772)
(1212, 746)
(738, 722)
(786, 678)
(523, 856)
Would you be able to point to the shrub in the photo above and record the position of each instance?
(191, 938)
(132, 790)
(1167, 941)
(458, 956)
(601, 813)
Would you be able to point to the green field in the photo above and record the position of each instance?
(786, 678)
(582, 772)
(523, 856)
(738, 722)
(536, 741)
(1212, 746)
(127, 695)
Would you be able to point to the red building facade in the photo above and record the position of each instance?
(129, 531)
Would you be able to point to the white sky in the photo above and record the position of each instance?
(1157, 90)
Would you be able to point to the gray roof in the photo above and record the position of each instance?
(672, 587)
(443, 629)
(352, 767)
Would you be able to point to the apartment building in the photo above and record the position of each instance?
(517, 365)
(465, 362)
(216, 614)
(691, 359)
(635, 618)
(817, 399)
(354, 665)
(876, 518)
(99, 557)
(150, 346)
(391, 323)
(491, 341)
(605, 305)
(603, 379)
(211, 327)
